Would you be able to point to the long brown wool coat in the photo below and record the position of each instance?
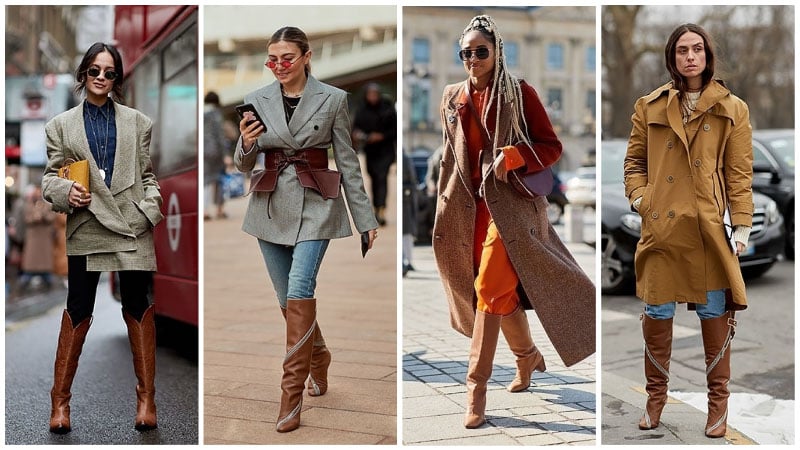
(686, 179)
(551, 281)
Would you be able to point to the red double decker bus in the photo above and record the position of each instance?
(159, 50)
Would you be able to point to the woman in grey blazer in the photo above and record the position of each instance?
(295, 205)
(109, 223)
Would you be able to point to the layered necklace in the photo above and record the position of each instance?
(102, 150)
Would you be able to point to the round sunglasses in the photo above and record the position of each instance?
(285, 64)
(94, 72)
(480, 52)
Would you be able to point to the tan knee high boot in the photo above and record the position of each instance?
(70, 344)
(320, 361)
(142, 336)
(300, 325)
(717, 335)
(657, 353)
(481, 356)
(518, 335)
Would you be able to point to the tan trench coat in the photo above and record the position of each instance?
(551, 281)
(686, 178)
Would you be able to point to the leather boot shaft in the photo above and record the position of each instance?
(657, 353)
(485, 333)
(70, 345)
(142, 337)
(717, 336)
(320, 361)
(300, 326)
(518, 335)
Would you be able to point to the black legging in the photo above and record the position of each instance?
(134, 288)
(378, 169)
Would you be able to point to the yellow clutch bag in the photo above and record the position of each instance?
(77, 171)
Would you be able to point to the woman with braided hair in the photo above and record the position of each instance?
(495, 249)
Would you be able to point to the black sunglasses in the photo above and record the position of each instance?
(480, 52)
(94, 72)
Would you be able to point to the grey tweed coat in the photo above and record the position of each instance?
(297, 214)
(551, 281)
(115, 231)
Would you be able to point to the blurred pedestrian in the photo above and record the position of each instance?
(60, 265)
(215, 148)
(496, 251)
(296, 206)
(109, 223)
(375, 130)
(689, 168)
(37, 258)
(410, 206)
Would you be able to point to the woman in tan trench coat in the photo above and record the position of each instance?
(688, 168)
(496, 251)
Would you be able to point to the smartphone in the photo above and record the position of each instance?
(241, 109)
(364, 243)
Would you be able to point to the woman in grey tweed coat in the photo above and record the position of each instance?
(109, 224)
(292, 212)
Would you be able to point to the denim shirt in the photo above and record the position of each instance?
(101, 132)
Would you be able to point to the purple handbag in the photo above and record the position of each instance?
(532, 184)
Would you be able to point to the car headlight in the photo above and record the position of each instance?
(771, 212)
(632, 222)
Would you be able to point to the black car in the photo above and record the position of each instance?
(773, 167)
(621, 228)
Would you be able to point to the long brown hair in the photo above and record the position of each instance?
(296, 36)
(679, 82)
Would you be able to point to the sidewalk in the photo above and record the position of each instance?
(559, 408)
(245, 341)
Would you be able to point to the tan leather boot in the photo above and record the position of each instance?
(481, 356)
(70, 344)
(320, 361)
(300, 325)
(142, 336)
(518, 335)
(717, 335)
(657, 353)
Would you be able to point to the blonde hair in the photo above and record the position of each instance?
(504, 85)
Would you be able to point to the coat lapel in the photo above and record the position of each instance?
(457, 105)
(675, 118)
(311, 101)
(271, 102)
(125, 159)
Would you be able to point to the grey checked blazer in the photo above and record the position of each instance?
(116, 230)
(295, 213)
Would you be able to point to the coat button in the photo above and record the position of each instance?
(671, 214)
(670, 179)
(697, 163)
(669, 144)
(654, 215)
(706, 127)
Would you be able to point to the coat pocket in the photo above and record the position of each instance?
(140, 223)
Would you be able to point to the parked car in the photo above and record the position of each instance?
(773, 167)
(621, 228)
(426, 203)
(581, 189)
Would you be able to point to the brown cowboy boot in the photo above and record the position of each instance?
(481, 356)
(657, 352)
(300, 325)
(529, 358)
(717, 335)
(320, 361)
(70, 344)
(142, 336)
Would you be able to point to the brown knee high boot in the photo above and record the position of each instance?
(142, 336)
(657, 352)
(70, 344)
(717, 335)
(481, 356)
(529, 358)
(320, 361)
(300, 325)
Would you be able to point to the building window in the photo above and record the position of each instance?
(512, 54)
(554, 101)
(420, 103)
(421, 50)
(590, 58)
(456, 50)
(555, 56)
(591, 102)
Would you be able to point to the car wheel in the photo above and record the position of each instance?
(554, 212)
(755, 271)
(612, 269)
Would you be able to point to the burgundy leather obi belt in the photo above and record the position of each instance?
(311, 166)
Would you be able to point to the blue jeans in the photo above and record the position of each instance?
(293, 269)
(714, 307)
